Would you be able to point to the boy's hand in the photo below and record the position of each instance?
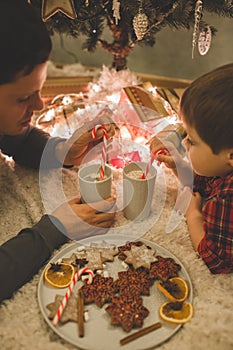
(167, 153)
(195, 220)
(164, 154)
(195, 206)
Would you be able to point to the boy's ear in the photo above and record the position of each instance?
(230, 157)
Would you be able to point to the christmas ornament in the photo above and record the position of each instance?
(140, 23)
(51, 7)
(116, 10)
(204, 41)
(198, 15)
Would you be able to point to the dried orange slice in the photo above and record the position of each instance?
(175, 289)
(59, 275)
(176, 312)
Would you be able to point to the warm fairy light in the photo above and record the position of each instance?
(114, 98)
(125, 134)
(96, 87)
(152, 89)
(66, 100)
(49, 115)
(141, 140)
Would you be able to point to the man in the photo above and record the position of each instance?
(25, 49)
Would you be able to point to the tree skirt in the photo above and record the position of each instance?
(22, 325)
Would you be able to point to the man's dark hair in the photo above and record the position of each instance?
(24, 42)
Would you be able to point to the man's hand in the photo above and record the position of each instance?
(83, 220)
(73, 150)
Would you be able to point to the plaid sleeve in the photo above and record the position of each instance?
(216, 248)
(199, 184)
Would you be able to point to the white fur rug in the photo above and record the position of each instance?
(22, 326)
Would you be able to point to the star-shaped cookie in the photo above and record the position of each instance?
(133, 282)
(128, 312)
(70, 312)
(93, 257)
(141, 256)
(99, 291)
(164, 268)
(127, 246)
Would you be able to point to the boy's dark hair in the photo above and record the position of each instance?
(24, 42)
(207, 106)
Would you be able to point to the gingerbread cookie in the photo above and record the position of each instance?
(75, 261)
(140, 256)
(70, 311)
(100, 291)
(107, 251)
(107, 254)
(164, 268)
(133, 282)
(128, 312)
(93, 257)
(127, 246)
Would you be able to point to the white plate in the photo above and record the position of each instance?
(99, 333)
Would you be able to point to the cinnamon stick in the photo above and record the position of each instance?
(140, 333)
(80, 313)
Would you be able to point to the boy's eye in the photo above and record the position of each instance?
(188, 141)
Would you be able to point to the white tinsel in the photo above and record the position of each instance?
(110, 81)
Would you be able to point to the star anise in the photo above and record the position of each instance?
(56, 267)
(81, 262)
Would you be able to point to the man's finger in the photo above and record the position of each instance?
(104, 206)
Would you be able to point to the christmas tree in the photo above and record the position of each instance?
(130, 22)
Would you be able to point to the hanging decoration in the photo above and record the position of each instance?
(198, 15)
(204, 40)
(140, 23)
(51, 7)
(87, 3)
(116, 10)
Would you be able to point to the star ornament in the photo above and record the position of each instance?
(51, 7)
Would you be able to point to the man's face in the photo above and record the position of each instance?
(19, 99)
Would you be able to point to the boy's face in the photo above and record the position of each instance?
(204, 161)
(19, 99)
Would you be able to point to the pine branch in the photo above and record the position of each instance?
(93, 19)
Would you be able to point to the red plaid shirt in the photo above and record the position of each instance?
(216, 248)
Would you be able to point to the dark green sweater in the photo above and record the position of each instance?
(22, 256)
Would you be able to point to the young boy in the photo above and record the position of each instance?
(25, 49)
(206, 110)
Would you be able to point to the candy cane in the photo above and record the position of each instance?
(90, 273)
(70, 290)
(104, 149)
(161, 151)
(148, 166)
